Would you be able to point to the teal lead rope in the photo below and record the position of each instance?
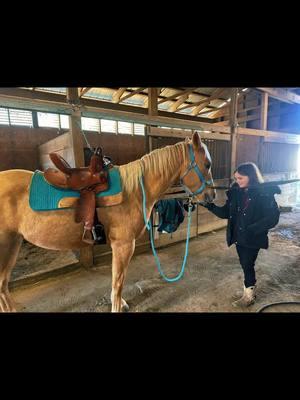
(149, 227)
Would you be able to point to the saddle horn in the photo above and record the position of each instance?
(96, 163)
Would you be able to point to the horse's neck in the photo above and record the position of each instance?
(162, 169)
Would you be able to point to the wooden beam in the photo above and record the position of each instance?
(131, 94)
(75, 129)
(181, 134)
(181, 93)
(84, 90)
(86, 257)
(90, 108)
(263, 125)
(281, 94)
(178, 103)
(233, 129)
(118, 94)
(152, 102)
(73, 95)
(200, 107)
(204, 101)
(264, 111)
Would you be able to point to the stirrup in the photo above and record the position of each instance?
(88, 239)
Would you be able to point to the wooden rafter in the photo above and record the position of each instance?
(204, 101)
(118, 94)
(83, 91)
(178, 103)
(200, 107)
(181, 93)
(132, 94)
(221, 111)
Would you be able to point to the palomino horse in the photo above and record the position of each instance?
(123, 223)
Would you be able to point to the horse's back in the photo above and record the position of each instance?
(14, 177)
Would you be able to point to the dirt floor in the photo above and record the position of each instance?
(212, 279)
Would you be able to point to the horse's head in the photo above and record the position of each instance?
(196, 175)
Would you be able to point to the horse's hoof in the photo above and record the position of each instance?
(125, 307)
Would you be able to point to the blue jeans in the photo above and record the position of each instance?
(247, 258)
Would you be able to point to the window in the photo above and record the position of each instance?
(20, 117)
(139, 129)
(4, 118)
(108, 125)
(90, 124)
(64, 121)
(48, 120)
(125, 127)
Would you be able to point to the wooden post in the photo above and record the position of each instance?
(263, 125)
(233, 129)
(75, 128)
(152, 102)
(152, 110)
(86, 257)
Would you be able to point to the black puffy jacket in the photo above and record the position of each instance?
(249, 227)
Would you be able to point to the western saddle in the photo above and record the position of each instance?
(88, 181)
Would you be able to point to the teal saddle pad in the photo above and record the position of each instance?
(45, 197)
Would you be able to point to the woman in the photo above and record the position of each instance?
(251, 211)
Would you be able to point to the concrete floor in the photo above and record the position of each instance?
(213, 277)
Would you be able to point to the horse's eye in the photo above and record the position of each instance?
(208, 165)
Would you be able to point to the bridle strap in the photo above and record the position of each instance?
(193, 166)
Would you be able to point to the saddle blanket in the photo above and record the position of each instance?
(45, 197)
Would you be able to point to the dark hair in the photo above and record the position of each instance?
(252, 171)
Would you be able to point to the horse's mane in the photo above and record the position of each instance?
(159, 162)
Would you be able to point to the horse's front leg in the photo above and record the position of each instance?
(121, 256)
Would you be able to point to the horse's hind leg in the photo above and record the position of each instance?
(121, 256)
(10, 244)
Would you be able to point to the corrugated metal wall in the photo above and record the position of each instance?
(278, 157)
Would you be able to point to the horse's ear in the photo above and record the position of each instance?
(187, 139)
(60, 163)
(196, 140)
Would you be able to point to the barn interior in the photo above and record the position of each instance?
(240, 124)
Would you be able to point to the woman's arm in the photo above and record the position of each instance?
(221, 212)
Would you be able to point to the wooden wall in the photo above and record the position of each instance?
(19, 146)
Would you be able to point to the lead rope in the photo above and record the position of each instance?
(149, 228)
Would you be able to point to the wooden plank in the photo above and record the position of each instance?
(181, 93)
(204, 101)
(76, 139)
(86, 257)
(263, 124)
(118, 94)
(264, 111)
(281, 94)
(152, 101)
(215, 93)
(233, 129)
(73, 95)
(174, 133)
(271, 136)
(178, 103)
(90, 107)
(84, 90)
(131, 94)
